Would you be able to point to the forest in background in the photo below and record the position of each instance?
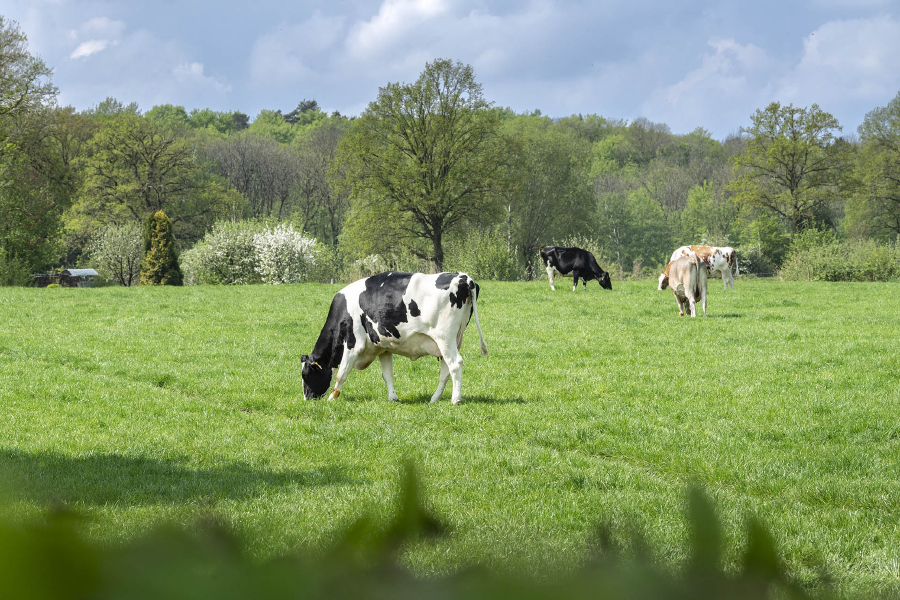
(432, 176)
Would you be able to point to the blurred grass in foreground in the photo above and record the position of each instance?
(52, 560)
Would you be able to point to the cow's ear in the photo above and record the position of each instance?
(304, 358)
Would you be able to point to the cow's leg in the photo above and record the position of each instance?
(679, 303)
(387, 373)
(454, 361)
(347, 364)
(692, 302)
(575, 275)
(445, 376)
(550, 277)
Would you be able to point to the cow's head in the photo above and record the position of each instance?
(604, 280)
(316, 378)
(663, 281)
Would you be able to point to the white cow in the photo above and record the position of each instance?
(410, 314)
(687, 278)
(718, 260)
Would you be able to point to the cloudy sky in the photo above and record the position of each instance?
(688, 64)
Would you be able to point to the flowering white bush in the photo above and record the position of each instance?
(249, 252)
(226, 255)
(284, 255)
(118, 251)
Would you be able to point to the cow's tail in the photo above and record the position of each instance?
(473, 289)
(737, 271)
(694, 280)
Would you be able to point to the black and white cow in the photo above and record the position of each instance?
(410, 314)
(573, 262)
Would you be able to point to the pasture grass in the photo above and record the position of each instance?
(148, 405)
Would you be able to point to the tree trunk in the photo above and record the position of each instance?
(437, 241)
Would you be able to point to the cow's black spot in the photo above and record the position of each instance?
(414, 308)
(462, 293)
(443, 280)
(382, 301)
(370, 328)
(329, 349)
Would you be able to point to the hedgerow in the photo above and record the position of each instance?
(819, 256)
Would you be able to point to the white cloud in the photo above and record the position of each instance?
(387, 29)
(87, 48)
(99, 27)
(728, 85)
(144, 68)
(193, 73)
(288, 54)
(101, 31)
(846, 61)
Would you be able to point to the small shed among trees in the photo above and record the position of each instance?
(77, 277)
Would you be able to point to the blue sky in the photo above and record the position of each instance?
(688, 64)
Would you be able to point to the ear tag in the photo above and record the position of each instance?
(317, 364)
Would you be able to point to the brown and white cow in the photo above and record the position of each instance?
(687, 278)
(718, 260)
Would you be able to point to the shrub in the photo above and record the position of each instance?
(284, 255)
(226, 255)
(160, 266)
(483, 254)
(118, 251)
(330, 264)
(817, 257)
(246, 252)
(13, 271)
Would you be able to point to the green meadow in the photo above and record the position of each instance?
(136, 407)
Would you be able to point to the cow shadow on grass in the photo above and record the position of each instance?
(112, 479)
(470, 399)
(726, 316)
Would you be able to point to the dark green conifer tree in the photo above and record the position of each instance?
(160, 265)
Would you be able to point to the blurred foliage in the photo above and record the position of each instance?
(54, 559)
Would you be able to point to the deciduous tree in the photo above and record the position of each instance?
(430, 152)
(135, 166)
(791, 165)
(875, 209)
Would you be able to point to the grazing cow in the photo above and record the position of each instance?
(410, 314)
(717, 260)
(687, 278)
(573, 262)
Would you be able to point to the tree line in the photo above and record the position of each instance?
(431, 175)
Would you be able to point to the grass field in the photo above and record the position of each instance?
(136, 406)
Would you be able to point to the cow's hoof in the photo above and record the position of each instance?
(456, 401)
(393, 398)
(434, 399)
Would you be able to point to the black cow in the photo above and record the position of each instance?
(573, 262)
(409, 314)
